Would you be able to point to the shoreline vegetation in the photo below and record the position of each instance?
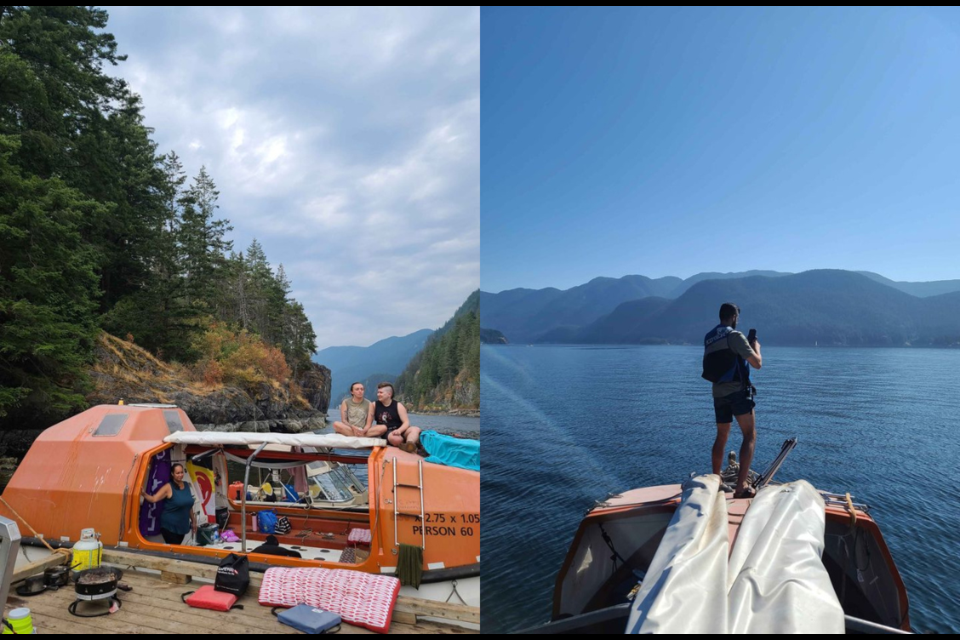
(445, 374)
(103, 233)
(119, 277)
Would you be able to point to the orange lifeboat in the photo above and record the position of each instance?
(88, 471)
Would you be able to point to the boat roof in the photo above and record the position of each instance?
(240, 438)
(78, 472)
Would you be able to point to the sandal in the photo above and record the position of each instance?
(748, 493)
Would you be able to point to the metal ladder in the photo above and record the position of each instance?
(396, 504)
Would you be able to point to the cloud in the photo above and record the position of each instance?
(347, 141)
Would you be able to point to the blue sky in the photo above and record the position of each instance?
(674, 141)
(346, 140)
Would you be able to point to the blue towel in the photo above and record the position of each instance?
(450, 451)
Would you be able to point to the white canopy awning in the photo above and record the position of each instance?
(239, 438)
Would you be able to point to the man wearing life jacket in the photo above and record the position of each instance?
(726, 354)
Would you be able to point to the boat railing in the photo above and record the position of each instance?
(243, 501)
(585, 620)
(841, 500)
(764, 478)
(865, 626)
(622, 612)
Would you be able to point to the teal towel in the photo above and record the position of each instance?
(450, 451)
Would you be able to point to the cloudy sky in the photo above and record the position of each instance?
(347, 141)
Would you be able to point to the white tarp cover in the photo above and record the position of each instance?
(331, 440)
(773, 582)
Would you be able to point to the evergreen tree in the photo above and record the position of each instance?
(75, 122)
(201, 240)
(95, 226)
(451, 357)
(48, 292)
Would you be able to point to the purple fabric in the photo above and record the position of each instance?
(158, 476)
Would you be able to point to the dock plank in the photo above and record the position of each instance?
(155, 607)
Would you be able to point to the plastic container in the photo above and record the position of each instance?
(206, 534)
(21, 622)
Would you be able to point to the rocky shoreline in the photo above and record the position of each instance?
(288, 425)
(125, 371)
(461, 413)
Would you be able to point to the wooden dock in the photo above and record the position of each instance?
(154, 605)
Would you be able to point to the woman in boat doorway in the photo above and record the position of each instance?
(178, 518)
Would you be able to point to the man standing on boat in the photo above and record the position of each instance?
(726, 353)
(356, 414)
(394, 416)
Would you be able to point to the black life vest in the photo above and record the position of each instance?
(720, 362)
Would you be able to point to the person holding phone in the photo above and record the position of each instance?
(727, 356)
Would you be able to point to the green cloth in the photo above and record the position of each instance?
(410, 565)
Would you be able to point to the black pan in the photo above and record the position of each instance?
(56, 576)
(32, 586)
(99, 581)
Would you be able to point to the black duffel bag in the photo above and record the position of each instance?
(233, 576)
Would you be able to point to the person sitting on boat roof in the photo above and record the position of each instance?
(178, 517)
(726, 353)
(394, 416)
(356, 414)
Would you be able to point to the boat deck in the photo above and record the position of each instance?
(154, 606)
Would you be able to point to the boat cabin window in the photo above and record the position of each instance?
(173, 421)
(608, 560)
(334, 481)
(300, 485)
(327, 483)
(308, 479)
(111, 424)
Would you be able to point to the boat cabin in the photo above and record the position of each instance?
(351, 502)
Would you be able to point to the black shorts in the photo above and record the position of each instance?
(172, 538)
(735, 404)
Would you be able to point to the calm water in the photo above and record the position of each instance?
(444, 424)
(567, 425)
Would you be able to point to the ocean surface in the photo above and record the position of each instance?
(566, 425)
(444, 424)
